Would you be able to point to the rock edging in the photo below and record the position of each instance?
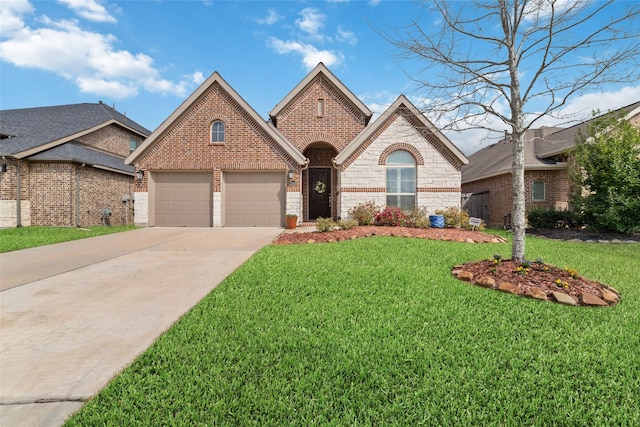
(580, 292)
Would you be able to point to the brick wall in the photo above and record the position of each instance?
(112, 139)
(52, 192)
(557, 185)
(186, 145)
(339, 124)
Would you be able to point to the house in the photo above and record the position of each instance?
(66, 164)
(215, 162)
(487, 179)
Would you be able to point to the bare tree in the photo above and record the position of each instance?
(518, 61)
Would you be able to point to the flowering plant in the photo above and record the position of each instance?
(392, 216)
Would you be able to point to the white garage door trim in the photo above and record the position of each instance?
(254, 199)
(182, 199)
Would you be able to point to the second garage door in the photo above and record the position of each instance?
(254, 199)
(183, 199)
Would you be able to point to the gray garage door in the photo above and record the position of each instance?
(254, 199)
(182, 199)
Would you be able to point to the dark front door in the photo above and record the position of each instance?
(319, 193)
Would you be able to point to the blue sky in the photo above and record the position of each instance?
(146, 56)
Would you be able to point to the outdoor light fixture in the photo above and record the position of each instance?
(3, 167)
(290, 174)
(140, 174)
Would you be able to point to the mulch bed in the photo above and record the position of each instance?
(448, 234)
(537, 280)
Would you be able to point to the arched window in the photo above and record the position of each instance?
(537, 191)
(401, 180)
(217, 132)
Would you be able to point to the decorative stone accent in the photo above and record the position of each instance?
(539, 281)
(536, 293)
(470, 240)
(486, 282)
(590, 299)
(311, 241)
(564, 298)
(509, 287)
(612, 289)
(609, 296)
(466, 276)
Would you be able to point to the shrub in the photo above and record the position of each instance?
(552, 218)
(392, 216)
(347, 224)
(456, 218)
(364, 213)
(417, 218)
(325, 224)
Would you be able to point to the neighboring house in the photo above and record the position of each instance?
(487, 179)
(215, 162)
(66, 163)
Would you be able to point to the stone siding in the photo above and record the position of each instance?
(438, 181)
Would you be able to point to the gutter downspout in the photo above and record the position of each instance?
(78, 195)
(18, 196)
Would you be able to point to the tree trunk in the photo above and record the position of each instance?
(518, 211)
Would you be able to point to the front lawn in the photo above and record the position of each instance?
(377, 332)
(13, 239)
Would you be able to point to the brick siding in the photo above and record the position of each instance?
(50, 188)
(187, 144)
(557, 187)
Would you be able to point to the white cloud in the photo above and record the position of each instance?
(11, 13)
(197, 77)
(89, 9)
(310, 54)
(88, 59)
(271, 18)
(312, 22)
(346, 36)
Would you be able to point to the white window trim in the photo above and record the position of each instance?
(224, 133)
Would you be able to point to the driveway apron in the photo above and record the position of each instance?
(74, 314)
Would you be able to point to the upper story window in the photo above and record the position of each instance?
(401, 180)
(217, 132)
(133, 144)
(537, 190)
(320, 107)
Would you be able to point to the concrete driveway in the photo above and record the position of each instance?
(72, 315)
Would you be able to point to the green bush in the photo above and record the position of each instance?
(457, 218)
(607, 179)
(364, 213)
(347, 224)
(325, 224)
(551, 219)
(417, 218)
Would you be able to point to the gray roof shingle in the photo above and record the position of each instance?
(540, 146)
(29, 128)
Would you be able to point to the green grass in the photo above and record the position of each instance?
(377, 332)
(13, 239)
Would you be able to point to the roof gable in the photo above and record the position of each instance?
(321, 71)
(33, 130)
(193, 99)
(404, 107)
